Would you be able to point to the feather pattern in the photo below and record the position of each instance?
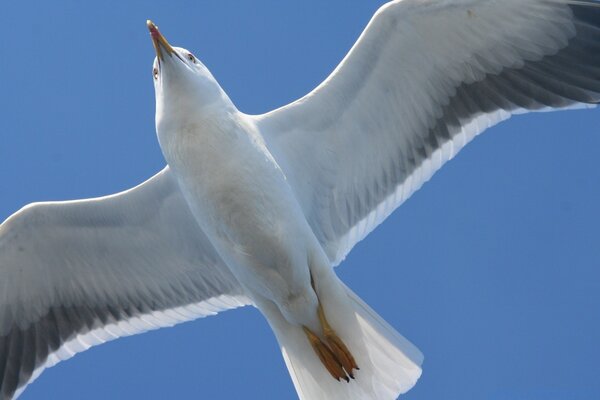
(128, 263)
(424, 78)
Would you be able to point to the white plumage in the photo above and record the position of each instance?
(251, 207)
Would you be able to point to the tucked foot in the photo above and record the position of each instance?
(341, 352)
(333, 353)
(327, 356)
(337, 346)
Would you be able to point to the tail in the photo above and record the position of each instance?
(389, 364)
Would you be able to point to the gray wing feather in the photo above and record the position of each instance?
(79, 273)
(424, 78)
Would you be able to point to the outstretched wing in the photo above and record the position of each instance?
(424, 78)
(79, 273)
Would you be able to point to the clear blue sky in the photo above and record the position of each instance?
(492, 269)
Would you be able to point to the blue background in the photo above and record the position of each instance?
(491, 269)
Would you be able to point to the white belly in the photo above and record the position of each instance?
(241, 199)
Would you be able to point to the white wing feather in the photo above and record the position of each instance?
(79, 273)
(424, 78)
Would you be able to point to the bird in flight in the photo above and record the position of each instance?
(258, 209)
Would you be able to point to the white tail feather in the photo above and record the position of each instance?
(389, 364)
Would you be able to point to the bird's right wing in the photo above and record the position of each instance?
(79, 273)
(423, 79)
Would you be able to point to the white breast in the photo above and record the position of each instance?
(240, 197)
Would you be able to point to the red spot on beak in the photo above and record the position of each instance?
(153, 29)
(154, 32)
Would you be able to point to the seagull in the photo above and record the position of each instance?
(259, 209)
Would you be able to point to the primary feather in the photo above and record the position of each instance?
(79, 273)
(424, 78)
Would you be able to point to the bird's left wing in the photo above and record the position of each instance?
(423, 79)
(79, 273)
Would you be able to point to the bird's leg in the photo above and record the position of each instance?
(329, 360)
(333, 353)
(336, 344)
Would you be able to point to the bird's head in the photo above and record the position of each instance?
(182, 84)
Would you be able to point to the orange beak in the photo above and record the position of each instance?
(161, 45)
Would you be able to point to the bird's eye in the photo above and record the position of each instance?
(191, 57)
(155, 73)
